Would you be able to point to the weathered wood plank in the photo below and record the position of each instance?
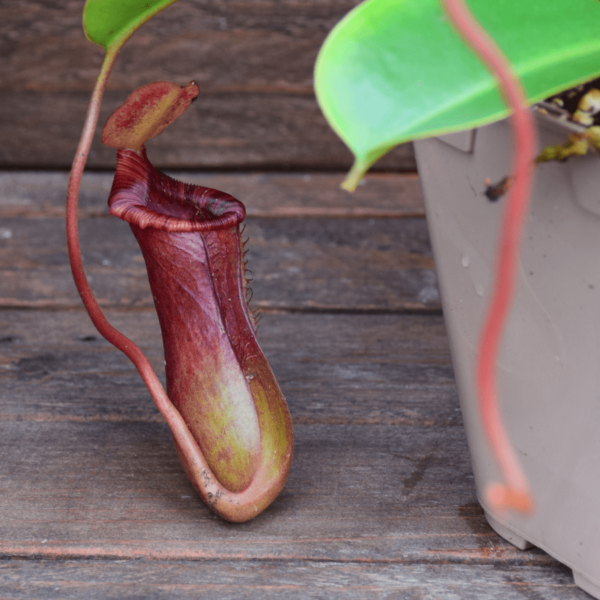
(375, 264)
(405, 441)
(308, 264)
(253, 60)
(44, 22)
(107, 580)
(265, 45)
(396, 460)
(234, 131)
(42, 194)
(333, 369)
(115, 490)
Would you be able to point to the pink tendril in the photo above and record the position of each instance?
(514, 493)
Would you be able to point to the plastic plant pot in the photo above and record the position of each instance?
(548, 371)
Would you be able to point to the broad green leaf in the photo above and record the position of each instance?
(110, 22)
(396, 70)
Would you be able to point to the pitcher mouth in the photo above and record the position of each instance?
(145, 197)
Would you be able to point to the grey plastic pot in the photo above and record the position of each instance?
(549, 366)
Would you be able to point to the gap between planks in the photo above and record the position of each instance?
(38, 194)
(325, 310)
(148, 550)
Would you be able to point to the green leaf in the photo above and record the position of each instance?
(110, 22)
(396, 70)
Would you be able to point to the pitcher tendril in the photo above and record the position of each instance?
(230, 422)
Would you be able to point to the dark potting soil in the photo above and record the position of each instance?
(570, 101)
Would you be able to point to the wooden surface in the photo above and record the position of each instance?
(380, 502)
(253, 60)
(379, 266)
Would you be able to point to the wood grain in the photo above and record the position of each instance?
(379, 442)
(151, 580)
(268, 195)
(253, 61)
(333, 369)
(315, 264)
(228, 131)
(312, 245)
(223, 45)
(380, 502)
(120, 492)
